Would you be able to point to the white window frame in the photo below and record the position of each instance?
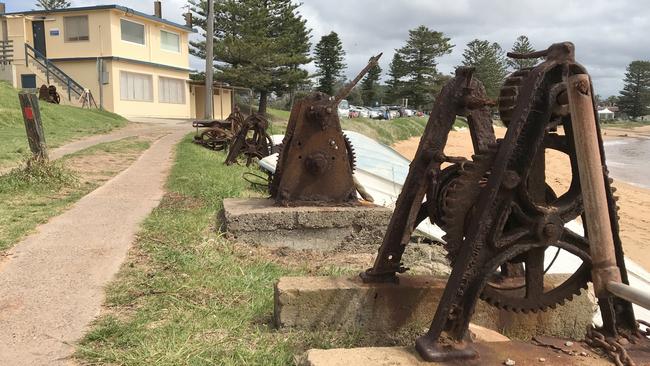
(182, 94)
(144, 32)
(179, 41)
(65, 28)
(150, 76)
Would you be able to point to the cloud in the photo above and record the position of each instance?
(608, 34)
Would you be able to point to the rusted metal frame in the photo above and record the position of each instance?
(316, 161)
(315, 164)
(481, 127)
(348, 88)
(422, 171)
(286, 141)
(257, 146)
(463, 286)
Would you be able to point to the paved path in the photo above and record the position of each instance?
(52, 283)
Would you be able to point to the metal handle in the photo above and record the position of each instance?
(629, 293)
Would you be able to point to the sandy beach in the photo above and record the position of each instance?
(634, 201)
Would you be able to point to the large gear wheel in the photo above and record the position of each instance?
(460, 195)
(350, 149)
(526, 290)
(509, 93)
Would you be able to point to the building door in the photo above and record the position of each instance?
(38, 29)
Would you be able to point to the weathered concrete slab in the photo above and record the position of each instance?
(490, 354)
(346, 303)
(259, 221)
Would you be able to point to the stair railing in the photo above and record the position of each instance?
(52, 70)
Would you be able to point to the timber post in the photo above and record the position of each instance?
(33, 125)
(590, 168)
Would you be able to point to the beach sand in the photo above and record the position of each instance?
(634, 202)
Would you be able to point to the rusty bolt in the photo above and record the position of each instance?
(582, 86)
(316, 164)
(551, 230)
(511, 179)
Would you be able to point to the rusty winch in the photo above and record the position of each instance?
(251, 141)
(218, 134)
(503, 223)
(316, 161)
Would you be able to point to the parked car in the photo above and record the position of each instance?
(359, 111)
(376, 113)
(343, 109)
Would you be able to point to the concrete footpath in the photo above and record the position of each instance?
(52, 282)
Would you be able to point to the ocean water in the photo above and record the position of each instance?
(629, 160)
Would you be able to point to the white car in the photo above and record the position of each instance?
(343, 109)
(361, 111)
(375, 112)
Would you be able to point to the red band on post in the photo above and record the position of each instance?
(29, 113)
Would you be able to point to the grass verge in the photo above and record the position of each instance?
(386, 132)
(188, 296)
(33, 193)
(61, 124)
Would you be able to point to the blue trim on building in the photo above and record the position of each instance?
(105, 7)
(117, 58)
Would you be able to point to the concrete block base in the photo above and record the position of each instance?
(259, 221)
(335, 303)
(490, 354)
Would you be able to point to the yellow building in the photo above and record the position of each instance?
(133, 64)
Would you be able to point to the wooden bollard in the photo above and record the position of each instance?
(33, 125)
(592, 181)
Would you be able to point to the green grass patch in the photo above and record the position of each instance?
(278, 115)
(35, 191)
(61, 124)
(128, 144)
(188, 296)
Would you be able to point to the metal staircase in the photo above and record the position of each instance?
(52, 73)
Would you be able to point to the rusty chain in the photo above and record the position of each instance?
(611, 347)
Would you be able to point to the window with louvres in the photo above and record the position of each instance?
(171, 90)
(136, 87)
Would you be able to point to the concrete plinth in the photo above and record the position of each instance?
(335, 303)
(259, 221)
(490, 354)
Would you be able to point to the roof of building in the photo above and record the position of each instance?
(105, 7)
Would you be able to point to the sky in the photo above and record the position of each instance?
(608, 34)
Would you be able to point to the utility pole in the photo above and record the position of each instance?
(209, 59)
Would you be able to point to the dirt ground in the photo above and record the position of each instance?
(634, 202)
